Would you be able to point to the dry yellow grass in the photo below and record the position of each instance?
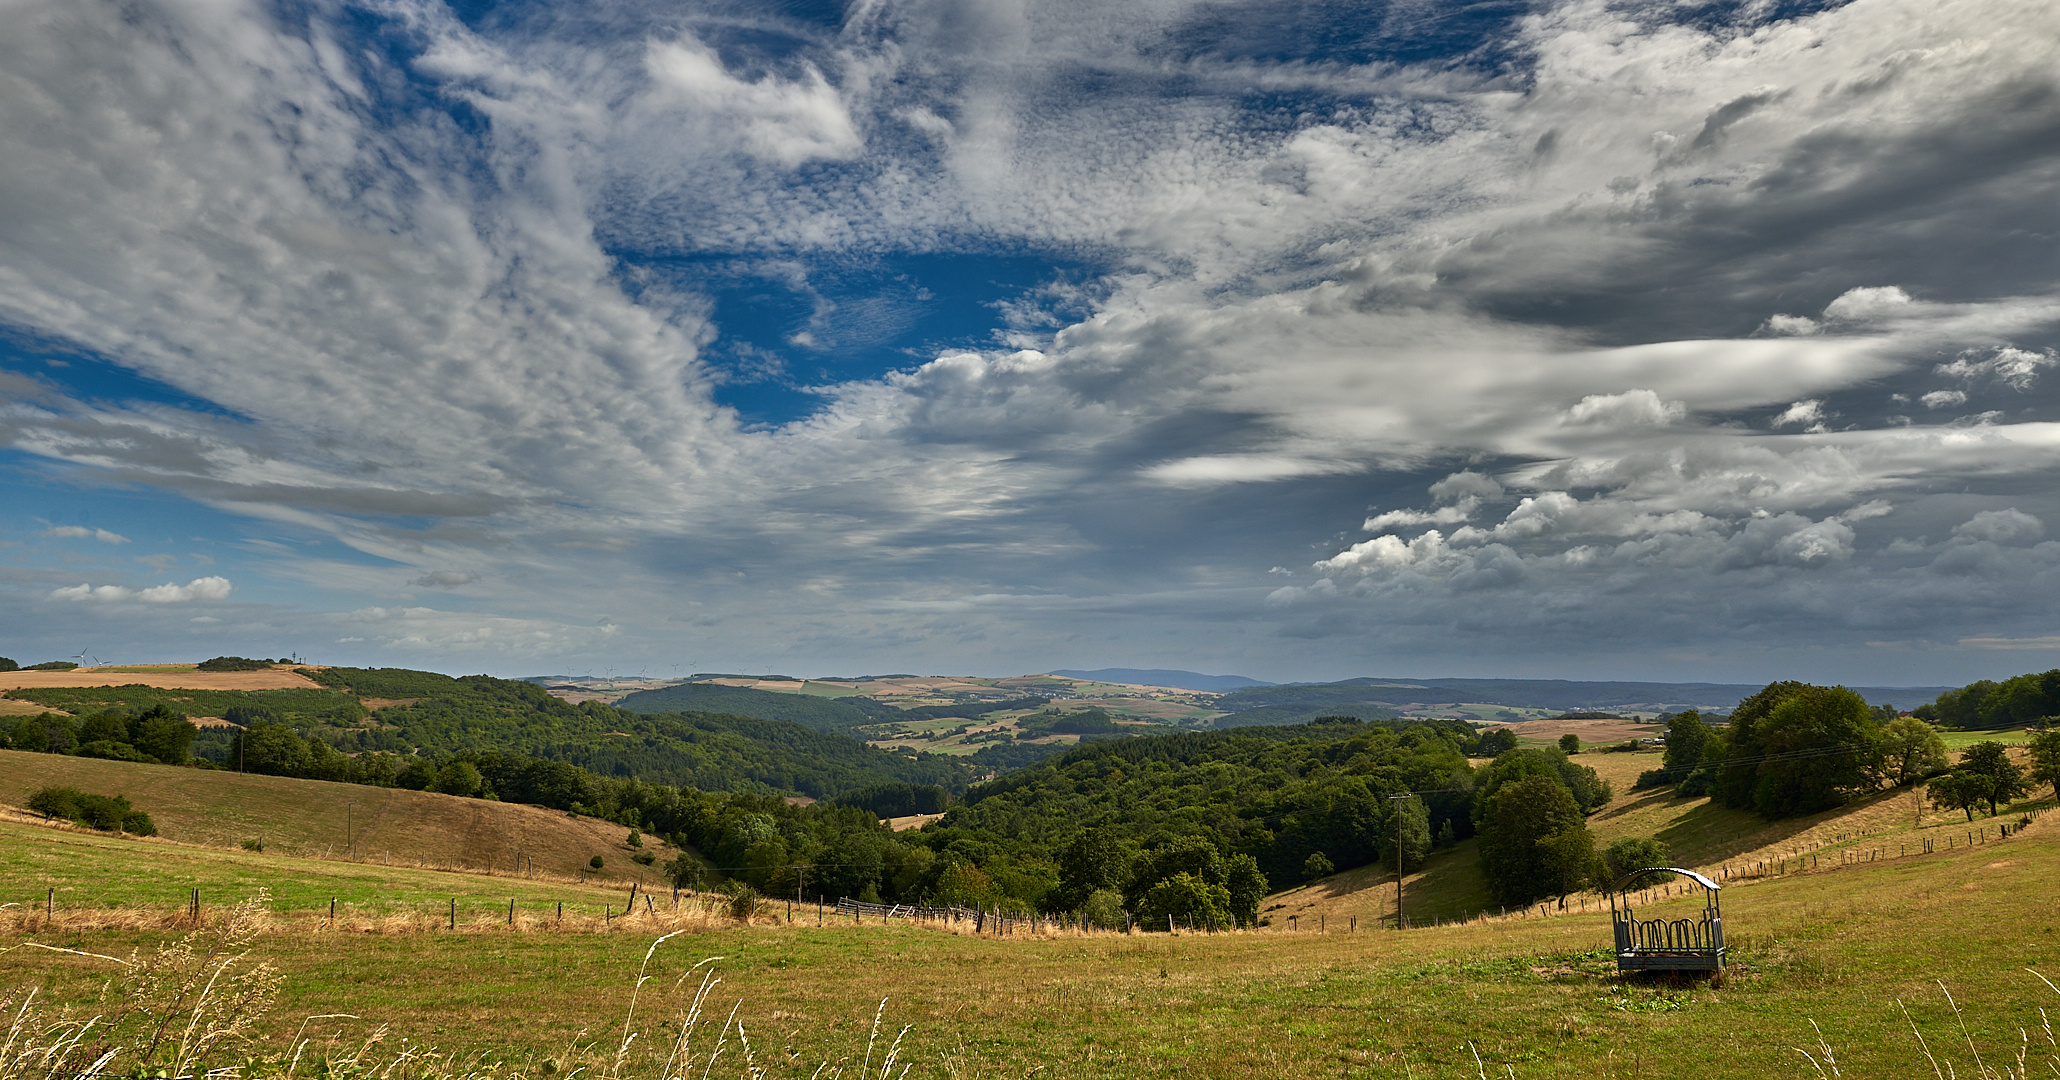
(169, 677)
(311, 817)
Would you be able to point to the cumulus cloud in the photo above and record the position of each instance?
(205, 588)
(2009, 527)
(1808, 413)
(1632, 408)
(1944, 399)
(1867, 304)
(441, 340)
(1791, 325)
(2015, 368)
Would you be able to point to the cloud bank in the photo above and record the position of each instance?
(1718, 339)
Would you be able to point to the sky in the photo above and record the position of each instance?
(1299, 340)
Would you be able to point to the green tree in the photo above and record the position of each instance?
(1521, 817)
(1316, 866)
(964, 885)
(1959, 791)
(270, 748)
(1094, 861)
(1686, 736)
(1409, 824)
(1992, 760)
(1184, 898)
(460, 778)
(1495, 743)
(1909, 751)
(1634, 853)
(48, 733)
(2045, 759)
(1570, 742)
(1795, 749)
(1247, 886)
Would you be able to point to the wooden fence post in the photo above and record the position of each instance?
(454, 913)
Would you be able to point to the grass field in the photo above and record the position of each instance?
(1849, 950)
(389, 826)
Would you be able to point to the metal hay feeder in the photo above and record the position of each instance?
(1695, 944)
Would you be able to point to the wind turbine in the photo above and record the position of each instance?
(79, 657)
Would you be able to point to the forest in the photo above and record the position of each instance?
(1192, 825)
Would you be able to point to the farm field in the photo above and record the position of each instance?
(1840, 950)
(166, 676)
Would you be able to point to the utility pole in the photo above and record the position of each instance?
(1398, 856)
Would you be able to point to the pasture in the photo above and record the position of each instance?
(1849, 950)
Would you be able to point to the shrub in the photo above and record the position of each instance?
(596, 862)
(636, 839)
(1634, 853)
(1103, 910)
(1185, 899)
(1570, 742)
(643, 858)
(257, 844)
(108, 813)
(1317, 865)
(233, 663)
(744, 900)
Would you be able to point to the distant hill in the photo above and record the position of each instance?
(814, 713)
(1560, 694)
(1179, 680)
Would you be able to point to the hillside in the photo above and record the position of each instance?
(1558, 695)
(390, 826)
(814, 713)
(1701, 835)
(425, 714)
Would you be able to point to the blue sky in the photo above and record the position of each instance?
(1300, 340)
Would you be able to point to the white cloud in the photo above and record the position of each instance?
(2010, 527)
(1867, 304)
(2015, 368)
(1632, 408)
(1944, 399)
(1791, 325)
(80, 532)
(205, 588)
(1810, 413)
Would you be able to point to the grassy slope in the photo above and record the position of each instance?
(1699, 834)
(307, 817)
(1536, 998)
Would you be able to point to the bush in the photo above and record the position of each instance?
(108, 813)
(636, 839)
(1186, 900)
(643, 858)
(1103, 910)
(1317, 865)
(1652, 778)
(683, 871)
(596, 862)
(744, 900)
(1570, 742)
(257, 844)
(1634, 853)
(232, 663)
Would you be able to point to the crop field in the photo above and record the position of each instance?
(1857, 960)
